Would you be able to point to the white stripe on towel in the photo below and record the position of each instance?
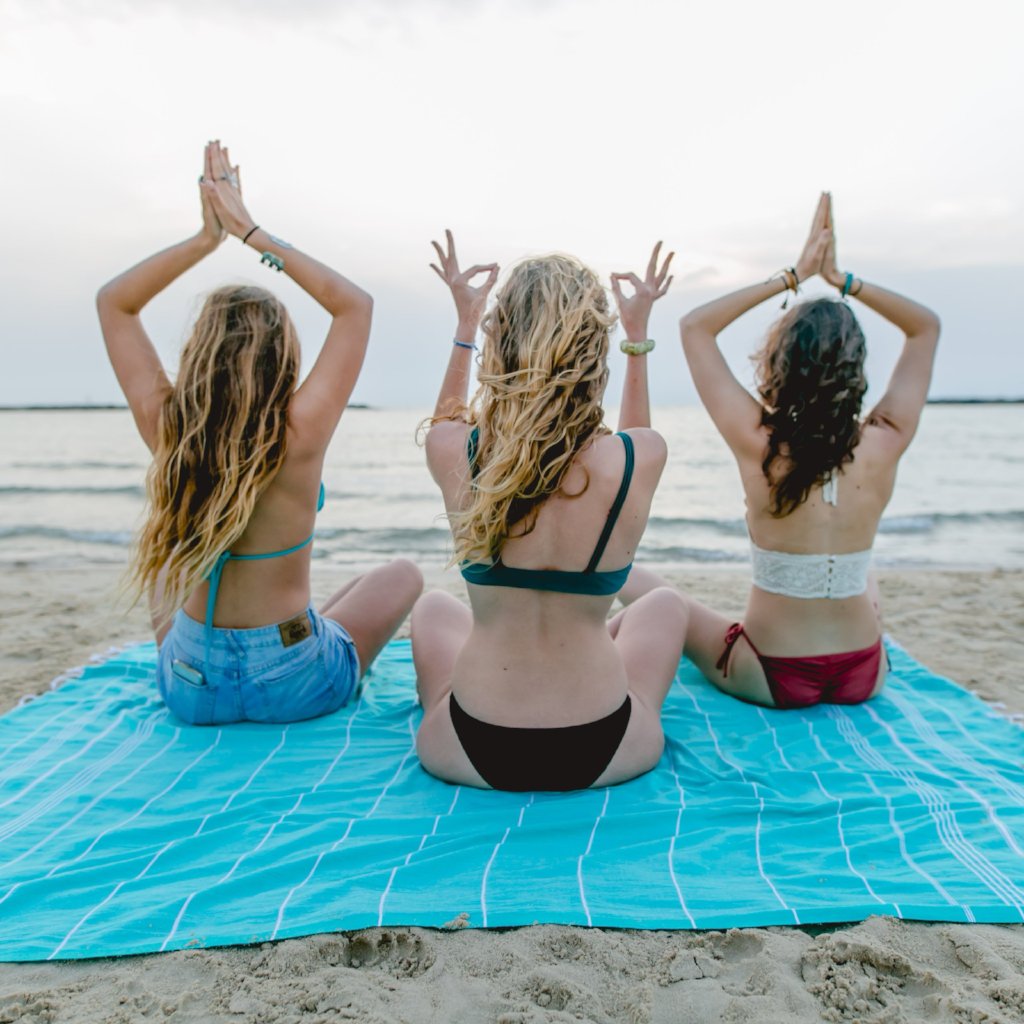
(842, 841)
(266, 836)
(675, 836)
(926, 731)
(579, 861)
(71, 757)
(135, 814)
(334, 846)
(973, 793)
(411, 853)
(81, 781)
(117, 888)
(899, 833)
(946, 824)
(760, 804)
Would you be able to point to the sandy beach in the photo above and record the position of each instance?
(963, 624)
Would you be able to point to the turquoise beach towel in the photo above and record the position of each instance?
(124, 831)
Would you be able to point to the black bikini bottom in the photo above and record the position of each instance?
(562, 758)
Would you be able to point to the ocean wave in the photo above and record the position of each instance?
(662, 555)
(729, 527)
(427, 535)
(120, 538)
(926, 522)
(430, 497)
(74, 464)
(137, 491)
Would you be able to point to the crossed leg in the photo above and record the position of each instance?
(705, 642)
(441, 625)
(648, 635)
(372, 606)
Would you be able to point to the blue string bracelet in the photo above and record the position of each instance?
(464, 344)
(847, 284)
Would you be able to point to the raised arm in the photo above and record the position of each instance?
(734, 411)
(470, 303)
(634, 313)
(900, 407)
(119, 304)
(319, 402)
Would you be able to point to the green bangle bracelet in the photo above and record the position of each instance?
(636, 348)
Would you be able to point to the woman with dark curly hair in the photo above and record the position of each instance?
(817, 478)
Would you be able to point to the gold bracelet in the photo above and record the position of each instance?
(636, 348)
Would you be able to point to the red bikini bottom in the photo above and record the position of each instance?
(845, 678)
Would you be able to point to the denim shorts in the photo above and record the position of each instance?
(252, 676)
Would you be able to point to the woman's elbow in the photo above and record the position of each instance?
(104, 298)
(108, 301)
(690, 327)
(352, 303)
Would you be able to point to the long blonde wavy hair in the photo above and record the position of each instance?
(220, 440)
(543, 371)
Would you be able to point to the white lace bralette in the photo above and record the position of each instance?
(835, 576)
(811, 576)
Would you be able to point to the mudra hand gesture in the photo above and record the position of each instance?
(470, 300)
(634, 310)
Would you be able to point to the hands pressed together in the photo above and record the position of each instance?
(224, 212)
(819, 254)
(220, 191)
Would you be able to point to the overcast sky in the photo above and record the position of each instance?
(594, 127)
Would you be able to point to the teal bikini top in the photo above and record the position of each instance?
(590, 581)
(227, 556)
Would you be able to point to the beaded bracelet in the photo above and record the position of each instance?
(847, 288)
(636, 348)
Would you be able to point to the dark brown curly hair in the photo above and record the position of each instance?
(810, 376)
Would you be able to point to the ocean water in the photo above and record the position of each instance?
(72, 490)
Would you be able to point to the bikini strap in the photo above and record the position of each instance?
(732, 634)
(211, 601)
(218, 569)
(472, 442)
(613, 512)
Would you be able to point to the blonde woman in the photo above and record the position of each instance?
(817, 477)
(528, 688)
(238, 450)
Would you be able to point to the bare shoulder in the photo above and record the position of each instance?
(445, 438)
(445, 447)
(648, 446)
(882, 442)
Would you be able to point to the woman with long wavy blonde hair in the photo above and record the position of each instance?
(817, 478)
(238, 450)
(529, 688)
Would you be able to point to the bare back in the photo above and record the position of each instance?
(790, 626)
(270, 590)
(543, 658)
